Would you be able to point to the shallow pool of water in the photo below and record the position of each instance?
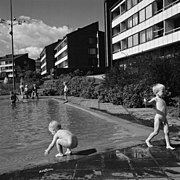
(24, 131)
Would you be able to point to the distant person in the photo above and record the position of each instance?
(6, 80)
(62, 138)
(65, 92)
(34, 92)
(26, 91)
(13, 97)
(21, 87)
(160, 117)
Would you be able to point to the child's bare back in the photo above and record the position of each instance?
(62, 138)
(67, 138)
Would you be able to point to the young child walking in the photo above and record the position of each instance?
(160, 116)
(65, 92)
(62, 138)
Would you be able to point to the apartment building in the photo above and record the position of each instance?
(47, 59)
(138, 27)
(22, 63)
(38, 65)
(82, 48)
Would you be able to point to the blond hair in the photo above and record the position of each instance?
(54, 125)
(157, 88)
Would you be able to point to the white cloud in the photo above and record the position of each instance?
(30, 37)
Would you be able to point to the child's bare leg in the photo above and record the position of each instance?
(68, 151)
(65, 97)
(166, 133)
(59, 148)
(154, 133)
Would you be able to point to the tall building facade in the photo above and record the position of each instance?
(137, 27)
(47, 59)
(22, 63)
(82, 48)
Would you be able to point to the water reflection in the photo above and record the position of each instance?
(24, 131)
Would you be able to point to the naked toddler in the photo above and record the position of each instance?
(160, 116)
(62, 138)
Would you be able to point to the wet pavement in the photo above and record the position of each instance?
(137, 162)
(129, 160)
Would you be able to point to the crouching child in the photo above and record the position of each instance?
(62, 138)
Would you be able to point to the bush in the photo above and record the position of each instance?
(50, 92)
(126, 86)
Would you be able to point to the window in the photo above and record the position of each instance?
(158, 6)
(116, 30)
(142, 15)
(92, 51)
(124, 43)
(115, 13)
(64, 64)
(142, 35)
(149, 11)
(134, 2)
(130, 22)
(92, 40)
(129, 4)
(135, 39)
(135, 19)
(130, 43)
(158, 30)
(92, 62)
(149, 34)
(123, 26)
(123, 8)
(3, 62)
(116, 47)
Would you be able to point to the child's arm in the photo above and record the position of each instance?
(150, 101)
(51, 145)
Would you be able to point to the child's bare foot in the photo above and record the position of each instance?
(169, 147)
(68, 152)
(149, 144)
(59, 155)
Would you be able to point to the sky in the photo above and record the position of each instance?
(45, 21)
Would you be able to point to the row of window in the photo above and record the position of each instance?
(63, 64)
(91, 51)
(91, 41)
(125, 6)
(142, 15)
(44, 68)
(5, 62)
(43, 53)
(63, 54)
(134, 20)
(139, 38)
(62, 44)
(43, 61)
(5, 68)
(128, 4)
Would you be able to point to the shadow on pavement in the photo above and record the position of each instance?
(136, 162)
(85, 152)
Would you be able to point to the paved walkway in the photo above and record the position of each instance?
(133, 160)
(143, 116)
